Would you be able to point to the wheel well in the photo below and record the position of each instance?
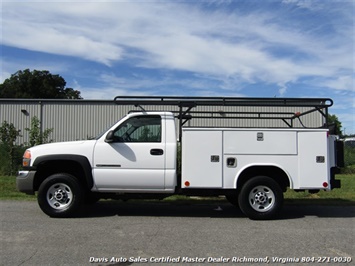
(48, 168)
(271, 171)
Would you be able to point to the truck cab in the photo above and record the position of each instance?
(138, 154)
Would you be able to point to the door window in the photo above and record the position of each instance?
(139, 129)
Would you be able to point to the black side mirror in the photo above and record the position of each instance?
(109, 137)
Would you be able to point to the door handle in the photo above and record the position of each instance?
(156, 152)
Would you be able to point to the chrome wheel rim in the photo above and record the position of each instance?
(59, 196)
(261, 198)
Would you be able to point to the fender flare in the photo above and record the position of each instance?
(258, 165)
(80, 159)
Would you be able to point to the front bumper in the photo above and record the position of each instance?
(25, 181)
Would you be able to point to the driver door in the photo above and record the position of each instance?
(134, 159)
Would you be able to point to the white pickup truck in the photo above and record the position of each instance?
(139, 157)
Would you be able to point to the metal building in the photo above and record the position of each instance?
(85, 119)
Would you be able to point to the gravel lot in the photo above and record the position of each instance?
(171, 234)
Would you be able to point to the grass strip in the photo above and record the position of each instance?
(340, 196)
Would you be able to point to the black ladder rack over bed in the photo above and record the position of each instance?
(185, 106)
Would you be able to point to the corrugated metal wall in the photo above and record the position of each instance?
(76, 121)
(70, 120)
(85, 119)
(19, 114)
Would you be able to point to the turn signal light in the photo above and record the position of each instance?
(26, 161)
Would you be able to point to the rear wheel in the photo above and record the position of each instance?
(60, 195)
(261, 198)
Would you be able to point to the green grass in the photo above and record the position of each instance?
(8, 190)
(340, 196)
(346, 192)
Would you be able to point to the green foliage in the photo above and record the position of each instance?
(8, 133)
(349, 155)
(37, 85)
(349, 158)
(333, 119)
(10, 153)
(8, 148)
(5, 166)
(36, 137)
(10, 164)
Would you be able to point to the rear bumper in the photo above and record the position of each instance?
(24, 182)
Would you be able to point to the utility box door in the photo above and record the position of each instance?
(201, 159)
(263, 142)
(313, 160)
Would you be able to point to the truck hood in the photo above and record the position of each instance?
(83, 148)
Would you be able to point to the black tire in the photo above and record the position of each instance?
(60, 195)
(261, 198)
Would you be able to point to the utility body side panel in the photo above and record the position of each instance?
(216, 157)
(202, 159)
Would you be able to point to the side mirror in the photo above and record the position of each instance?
(109, 137)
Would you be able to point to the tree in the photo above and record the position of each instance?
(8, 136)
(37, 85)
(36, 137)
(334, 120)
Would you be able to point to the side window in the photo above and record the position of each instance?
(140, 129)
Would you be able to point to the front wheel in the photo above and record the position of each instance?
(60, 195)
(261, 198)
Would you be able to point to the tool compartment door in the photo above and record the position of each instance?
(201, 159)
(313, 161)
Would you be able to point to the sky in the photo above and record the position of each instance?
(239, 48)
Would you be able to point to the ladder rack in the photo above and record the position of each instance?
(184, 107)
(222, 101)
